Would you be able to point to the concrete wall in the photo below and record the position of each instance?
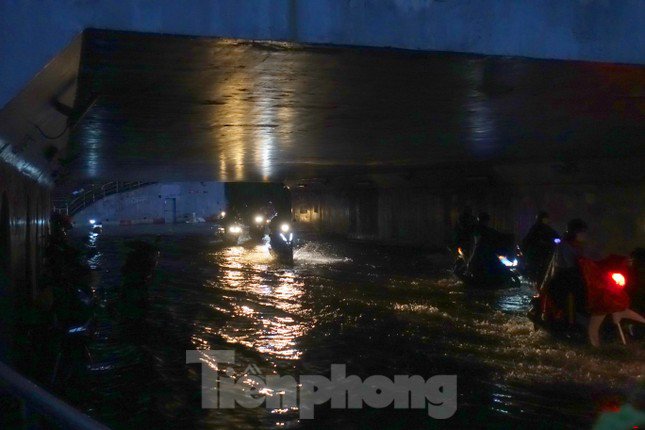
(28, 163)
(423, 209)
(153, 203)
(24, 226)
(34, 31)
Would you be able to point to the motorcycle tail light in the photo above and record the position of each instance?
(619, 279)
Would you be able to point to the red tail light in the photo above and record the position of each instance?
(619, 279)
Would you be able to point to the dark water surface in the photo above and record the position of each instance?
(380, 311)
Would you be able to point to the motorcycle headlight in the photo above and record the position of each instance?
(235, 229)
(506, 262)
(285, 227)
(259, 219)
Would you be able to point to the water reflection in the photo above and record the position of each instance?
(266, 313)
(350, 304)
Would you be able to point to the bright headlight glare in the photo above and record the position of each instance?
(285, 227)
(235, 229)
(259, 219)
(506, 262)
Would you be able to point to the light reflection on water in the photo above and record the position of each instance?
(266, 313)
(364, 308)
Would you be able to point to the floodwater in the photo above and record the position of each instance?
(380, 311)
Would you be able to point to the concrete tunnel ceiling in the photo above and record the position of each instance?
(157, 107)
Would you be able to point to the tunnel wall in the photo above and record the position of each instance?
(34, 31)
(418, 215)
(150, 203)
(24, 226)
(31, 143)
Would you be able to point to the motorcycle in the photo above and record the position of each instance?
(563, 314)
(96, 227)
(234, 233)
(257, 231)
(537, 259)
(500, 269)
(281, 241)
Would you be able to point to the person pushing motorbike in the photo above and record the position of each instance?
(465, 233)
(538, 247)
(567, 286)
(580, 292)
(484, 266)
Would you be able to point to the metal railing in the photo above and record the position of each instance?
(37, 400)
(94, 193)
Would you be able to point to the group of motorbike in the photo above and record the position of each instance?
(265, 227)
(574, 294)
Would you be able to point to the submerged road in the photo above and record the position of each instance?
(380, 311)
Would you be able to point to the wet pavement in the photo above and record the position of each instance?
(380, 311)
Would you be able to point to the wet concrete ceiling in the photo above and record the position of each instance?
(163, 107)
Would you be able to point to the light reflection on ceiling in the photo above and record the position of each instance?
(183, 108)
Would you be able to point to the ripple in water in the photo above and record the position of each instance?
(317, 254)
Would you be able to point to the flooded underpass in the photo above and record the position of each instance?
(378, 310)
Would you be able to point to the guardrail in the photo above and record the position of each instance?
(80, 202)
(38, 400)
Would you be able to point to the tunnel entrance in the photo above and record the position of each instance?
(382, 145)
(442, 123)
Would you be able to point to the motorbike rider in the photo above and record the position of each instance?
(567, 281)
(487, 241)
(281, 235)
(538, 247)
(267, 213)
(465, 232)
(68, 276)
(278, 219)
(576, 294)
(269, 210)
